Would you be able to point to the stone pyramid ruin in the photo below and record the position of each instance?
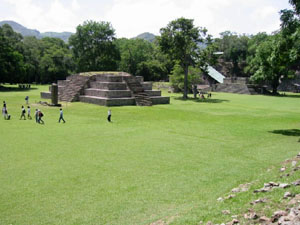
(108, 89)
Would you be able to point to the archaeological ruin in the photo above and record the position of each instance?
(108, 89)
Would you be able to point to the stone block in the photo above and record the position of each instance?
(107, 93)
(109, 78)
(46, 95)
(160, 100)
(109, 85)
(153, 92)
(107, 101)
(140, 79)
(147, 85)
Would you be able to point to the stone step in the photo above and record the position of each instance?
(109, 78)
(107, 93)
(109, 85)
(107, 101)
(147, 86)
(153, 92)
(159, 100)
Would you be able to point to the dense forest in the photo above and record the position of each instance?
(181, 53)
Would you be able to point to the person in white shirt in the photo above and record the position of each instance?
(109, 115)
(28, 113)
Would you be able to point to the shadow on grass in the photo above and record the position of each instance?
(206, 100)
(290, 132)
(11, 89)
(288, 96)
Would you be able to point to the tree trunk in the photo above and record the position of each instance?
(274, 91)
(185, 92)
(275, 84)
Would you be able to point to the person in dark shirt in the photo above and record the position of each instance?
(23, 113)
(40, 117)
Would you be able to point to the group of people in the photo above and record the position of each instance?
(201, 95)
(38, 113)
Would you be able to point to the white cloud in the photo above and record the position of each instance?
(132, 17)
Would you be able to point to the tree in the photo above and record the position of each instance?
(177, 77)
(180, 39)
(31, 53)
(251, 61)
(94, 48)
(272, 57)
(133, 52)
(55, 60)
(11, 59)
(234, 47)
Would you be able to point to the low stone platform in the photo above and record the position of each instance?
(108, 89)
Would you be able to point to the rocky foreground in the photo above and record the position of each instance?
(290, 213)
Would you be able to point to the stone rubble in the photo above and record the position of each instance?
(264, 219)
(226, 212)
(296, 183)
(269, 186)
(282, 169)
(251, 215)
(260, 200)
(288, 195)
(241, 188)
(289, 216)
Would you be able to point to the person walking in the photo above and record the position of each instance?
(27, 99)
(29, 113)
(36, 115)
(5, 114)
(109, 115)
(40, 117)
(23, 113)
(61, 116)
(4, 109)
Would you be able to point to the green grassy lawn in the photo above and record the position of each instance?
(165, 162)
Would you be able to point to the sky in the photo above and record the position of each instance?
(130, 18)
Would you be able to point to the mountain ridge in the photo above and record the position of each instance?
(33, 32)
(24, 31)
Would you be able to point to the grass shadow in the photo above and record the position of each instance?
(15, 89)
(288, 96)
(289, 132)
(206, 100)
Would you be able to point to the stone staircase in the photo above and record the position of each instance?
(74, 85)
(239, 88)
(108, 89)
(138, 92)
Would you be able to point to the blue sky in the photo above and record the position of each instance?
(132, 17)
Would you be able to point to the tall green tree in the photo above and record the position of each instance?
(273, 62)
(180, 40)
(11, 58)
(55, 60)
(252, 64)
(133, 52)
(32, 55)
(143, 58)
(94, 48)
(234, 47)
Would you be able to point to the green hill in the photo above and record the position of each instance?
(31, 32)
(147, 36)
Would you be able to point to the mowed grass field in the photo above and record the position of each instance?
(161, 163)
